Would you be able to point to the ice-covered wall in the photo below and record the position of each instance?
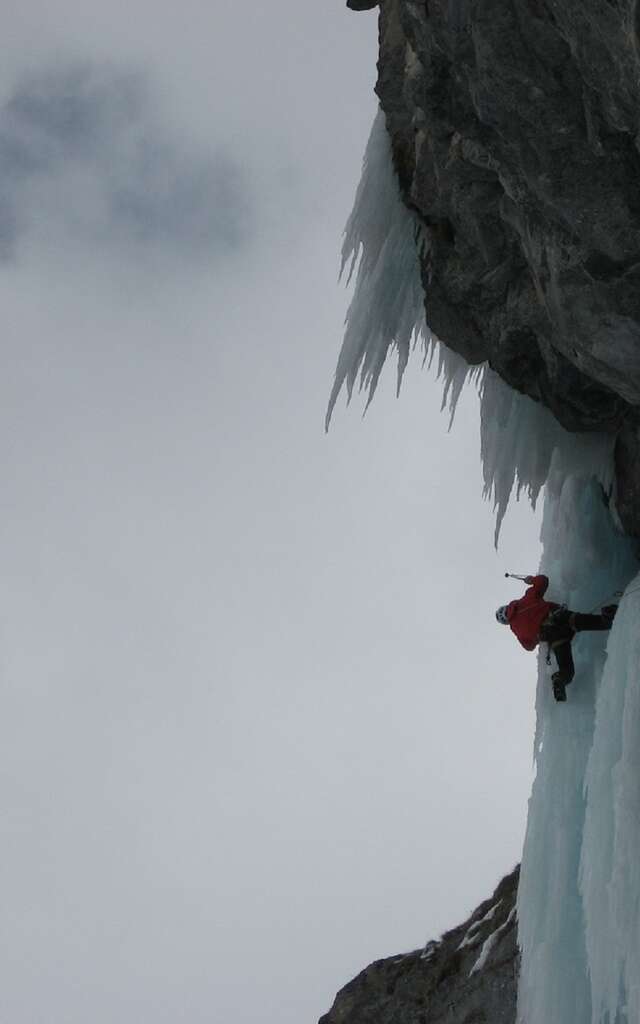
(579, 896)
(610, 866)
(587, 560)
(579, 893)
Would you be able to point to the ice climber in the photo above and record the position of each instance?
(534, 621)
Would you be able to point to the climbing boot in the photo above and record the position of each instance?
(559, 687)
(608, 613)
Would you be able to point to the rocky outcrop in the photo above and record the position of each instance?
(627, 465)
(515, 128)
(468, 977)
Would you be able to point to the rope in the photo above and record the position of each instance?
(620, 594)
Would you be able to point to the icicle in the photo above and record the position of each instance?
(382, 246)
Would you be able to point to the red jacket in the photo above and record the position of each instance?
(526, 616)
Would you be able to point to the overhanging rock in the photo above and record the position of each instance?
(514, 129)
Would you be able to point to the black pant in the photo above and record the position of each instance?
(559, 630)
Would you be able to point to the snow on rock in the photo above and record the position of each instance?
(472, 937)
(491, 941)
(430, 950)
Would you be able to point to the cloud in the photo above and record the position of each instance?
(86, 158)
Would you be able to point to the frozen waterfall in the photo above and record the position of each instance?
(579, 895)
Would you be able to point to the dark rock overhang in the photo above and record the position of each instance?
(514, 127)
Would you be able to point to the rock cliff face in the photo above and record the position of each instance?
(468, 977)
(515, 128)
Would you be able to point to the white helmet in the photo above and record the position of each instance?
(502, 614)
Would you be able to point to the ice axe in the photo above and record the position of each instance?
(514, 576)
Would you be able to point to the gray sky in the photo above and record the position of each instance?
(258, 725)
